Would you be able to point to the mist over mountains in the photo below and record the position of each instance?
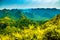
(33, 14)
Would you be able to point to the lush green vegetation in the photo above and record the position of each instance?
(26, 29)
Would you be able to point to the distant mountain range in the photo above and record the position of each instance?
(33, 14)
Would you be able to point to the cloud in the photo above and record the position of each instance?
(45, 1)
(50, 1)
(29, 3)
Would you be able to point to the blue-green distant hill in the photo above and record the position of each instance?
(33, 14)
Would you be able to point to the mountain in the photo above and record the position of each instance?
(41, 13)
(33, 14)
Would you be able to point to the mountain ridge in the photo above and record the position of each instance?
(34, 14)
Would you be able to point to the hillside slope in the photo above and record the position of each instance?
(55, 21)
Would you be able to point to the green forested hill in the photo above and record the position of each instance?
(26, 29)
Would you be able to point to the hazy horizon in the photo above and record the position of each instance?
(27, 8)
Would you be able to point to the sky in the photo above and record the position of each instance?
(21, 4)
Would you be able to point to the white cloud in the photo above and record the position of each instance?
(36, 0)
(50, 1)
(45, 1)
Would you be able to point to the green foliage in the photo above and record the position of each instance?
(26, 29)
(51, 35)
(24, 22)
